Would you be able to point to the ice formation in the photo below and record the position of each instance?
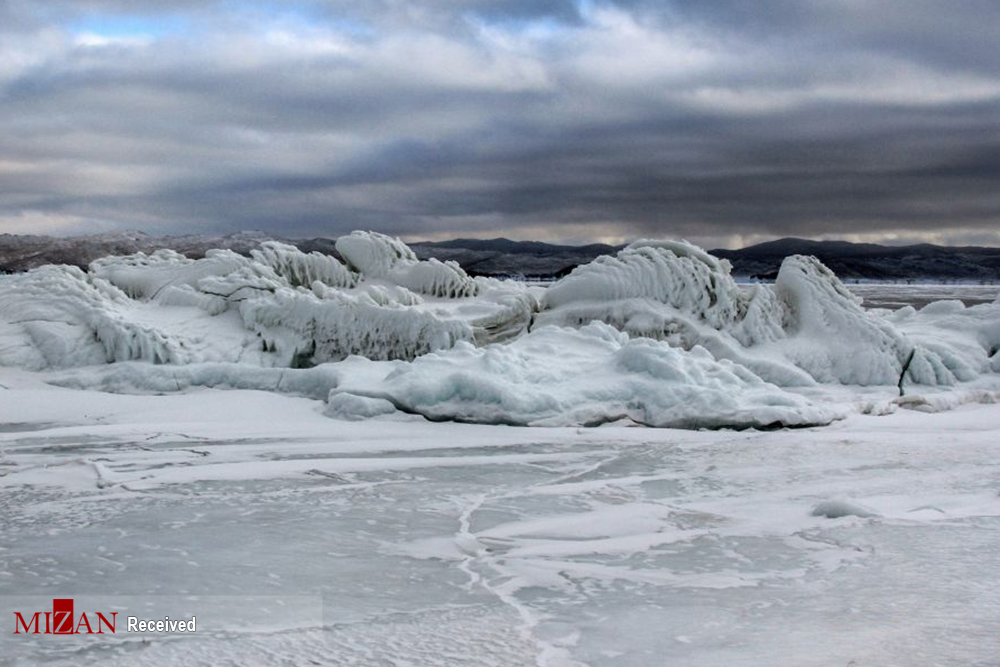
(588, 376)
(301, 269)
(141, 378)
(838, 509)
(660, 334)
(380, 256)
(808, 328)
(57, 316)
(829, 334)
(308, 327)
(665, 289)
(278, 307)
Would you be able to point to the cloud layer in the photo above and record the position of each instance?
(725, 122)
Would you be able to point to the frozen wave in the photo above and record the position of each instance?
(659, 333)
(808, 328)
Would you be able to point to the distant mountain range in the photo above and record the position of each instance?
(870, 261)
(503, 257)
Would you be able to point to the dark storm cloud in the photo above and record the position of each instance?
(717, 121)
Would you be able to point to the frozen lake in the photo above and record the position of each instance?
(897, 295)
(300, 540)
(306, 457)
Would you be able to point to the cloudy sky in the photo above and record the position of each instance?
(725, 122)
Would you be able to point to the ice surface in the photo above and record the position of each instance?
(299, 539)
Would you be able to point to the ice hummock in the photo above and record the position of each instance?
(808, 328)
(659, 334)
(379, 256)
(589, 376)
(278, 307)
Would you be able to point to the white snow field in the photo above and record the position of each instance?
(376, 460)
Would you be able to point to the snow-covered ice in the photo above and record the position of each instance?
(588, 376)
(300, 539)
(378, 460)
(659, 334)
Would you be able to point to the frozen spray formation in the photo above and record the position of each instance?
(660, 334)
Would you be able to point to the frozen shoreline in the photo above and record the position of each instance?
(659, 334)
(386, 461)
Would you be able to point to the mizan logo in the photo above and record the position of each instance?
(60, 621)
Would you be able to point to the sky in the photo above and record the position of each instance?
(724, 122)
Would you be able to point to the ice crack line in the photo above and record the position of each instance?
(548, 655)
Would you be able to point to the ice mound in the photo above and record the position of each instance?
(954, 343)
(301, 269)
(834, 339)
(328, 325)
(558, 376)
(676, 292)
(221, 273)
(277, 307)
(664, 289)
(59, 316)
(355, 408)
(659, 334)
(829, 334)
(379, 256)
(838, 509)
(808, 328)
(374, 254)
(143, 276)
